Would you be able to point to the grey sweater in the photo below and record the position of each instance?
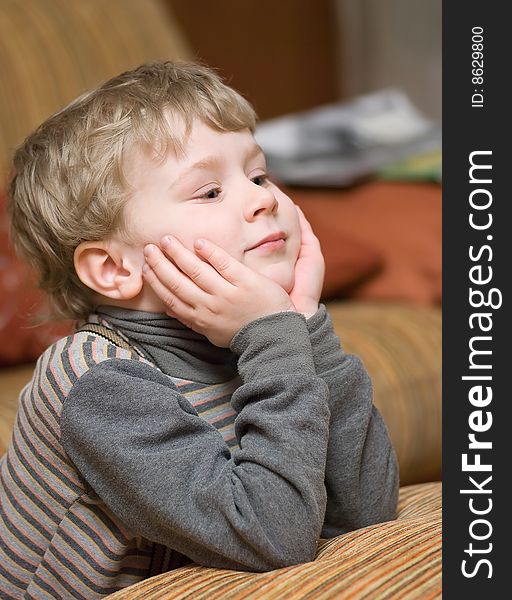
(114, 460)
(314, 456)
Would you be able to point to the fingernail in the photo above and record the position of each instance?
(199, 244)
(166, 241)
(145, 268)
(149, 249)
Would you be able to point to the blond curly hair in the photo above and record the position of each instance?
(68, 185)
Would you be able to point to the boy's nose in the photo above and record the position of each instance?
(260, 200)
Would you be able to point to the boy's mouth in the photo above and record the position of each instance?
(271, 242)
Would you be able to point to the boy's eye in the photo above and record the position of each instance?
(260, 179)
(211, 194)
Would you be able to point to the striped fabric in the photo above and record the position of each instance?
(57, 538)
(391, 561)
(213, 403)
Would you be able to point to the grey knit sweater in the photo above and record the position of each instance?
(237, 458)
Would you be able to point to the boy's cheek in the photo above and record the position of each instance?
(282, 274)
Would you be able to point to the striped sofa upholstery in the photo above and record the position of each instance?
(400, 345)
(394, 560)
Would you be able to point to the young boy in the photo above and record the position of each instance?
(205, 411)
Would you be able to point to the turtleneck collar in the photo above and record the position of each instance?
(175, 349)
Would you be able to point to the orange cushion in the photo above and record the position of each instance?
(399, 222)
(348, 261)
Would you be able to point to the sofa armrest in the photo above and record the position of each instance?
(400, 345)
(399, 558)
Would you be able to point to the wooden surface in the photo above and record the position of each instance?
(281, 55)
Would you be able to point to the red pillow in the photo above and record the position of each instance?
(20, 302)
(348, 260)
(380, 240)
(398, 222)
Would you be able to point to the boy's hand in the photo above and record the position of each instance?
(216, 298)
(309, 271)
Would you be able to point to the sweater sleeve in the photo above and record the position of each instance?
(169, 476)
(361, 466)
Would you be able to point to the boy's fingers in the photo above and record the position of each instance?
(304, 223)
(220, 260)
(201, 274)
(174, 305)
(170, 278)
(308, 235)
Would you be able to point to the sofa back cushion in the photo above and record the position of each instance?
(54, 50)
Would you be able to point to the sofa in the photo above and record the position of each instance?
(381, 241)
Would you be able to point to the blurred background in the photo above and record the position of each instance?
(348, 93)
(349, 97)
(293, 55)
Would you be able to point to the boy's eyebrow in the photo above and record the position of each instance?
(213, 161)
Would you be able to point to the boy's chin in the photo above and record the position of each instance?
(280, 275)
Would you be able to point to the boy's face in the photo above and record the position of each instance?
(219, 191)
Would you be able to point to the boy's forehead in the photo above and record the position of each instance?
(195, 142)
(211, 161)
(192, 151)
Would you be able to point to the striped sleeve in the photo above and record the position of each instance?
(57, 538)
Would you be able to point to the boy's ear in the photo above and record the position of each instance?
(107, 268)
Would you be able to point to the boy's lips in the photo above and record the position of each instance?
(272, 241)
